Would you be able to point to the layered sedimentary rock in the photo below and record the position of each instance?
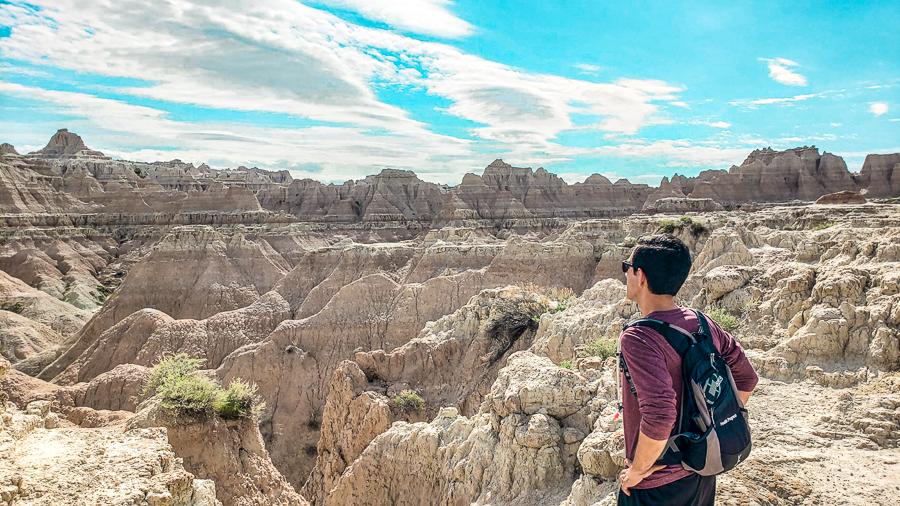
(65, 144)
(148, 335)
(507, 192)
(44, 321)
(843, 197)
(338, 298)
(520, 448)
(68, 177)
(204, 273)
(453, 362)
(766, 277)
(228, 452)
(47, 460)
(880, 175)
(773, 176)
(390, 195)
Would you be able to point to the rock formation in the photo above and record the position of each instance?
(46, 460)
(67, 177)
(230, 452)
(773, 176)
(843, 197)
(65, 144)
(394, 324)
(453, 363)
(880, 175)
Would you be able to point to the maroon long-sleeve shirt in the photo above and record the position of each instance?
(655, 369)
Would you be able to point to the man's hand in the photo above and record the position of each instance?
(630, 476)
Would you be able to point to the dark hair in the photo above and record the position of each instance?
(665, 260)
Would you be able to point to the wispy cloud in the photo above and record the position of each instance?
(588, 68)
(339, 151)
(677, 153)
(780, 70)
(776, 100)
(427, 17)
(286, 57)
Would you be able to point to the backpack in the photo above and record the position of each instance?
(711, 434)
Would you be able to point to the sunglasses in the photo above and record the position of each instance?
(627, 265)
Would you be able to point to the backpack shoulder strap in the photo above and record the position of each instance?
(678, 338)
(703, 323)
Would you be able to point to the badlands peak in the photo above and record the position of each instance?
(66, 144)
(67, 176)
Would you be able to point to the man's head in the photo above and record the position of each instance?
(658, 265)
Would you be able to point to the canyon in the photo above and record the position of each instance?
(480, 300)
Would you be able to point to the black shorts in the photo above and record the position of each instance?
(693, 490)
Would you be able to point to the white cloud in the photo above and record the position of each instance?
(677, 153)
(341, 152)
(588, 68)
(752, 104)
(286, 57)
(427, 17)
(709, 123)
(780, 71)
(835, 125)
(878, 108)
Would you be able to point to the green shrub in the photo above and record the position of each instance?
(726, 320)
(239, 400)
(566, 364)
(561, 296)
(170, 369)
(602, 347)
(15, 307)
(194, 394)
(102, 293)
(696, 228)
(823, 225)
(408, 401)
(182, 388)
(668, 226)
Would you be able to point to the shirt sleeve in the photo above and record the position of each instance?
(745, 378)
(655, 393)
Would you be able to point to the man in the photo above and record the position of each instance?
(654, 273)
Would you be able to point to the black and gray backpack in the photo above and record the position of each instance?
(712, 434)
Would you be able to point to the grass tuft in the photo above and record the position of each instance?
(823, 225)
(15, 307)
(408, 401)
(239, 400)
(726, 320)
(696, 228)
(601, 347)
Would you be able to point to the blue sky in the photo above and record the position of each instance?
(337, 89)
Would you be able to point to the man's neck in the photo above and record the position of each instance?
(652, 303)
